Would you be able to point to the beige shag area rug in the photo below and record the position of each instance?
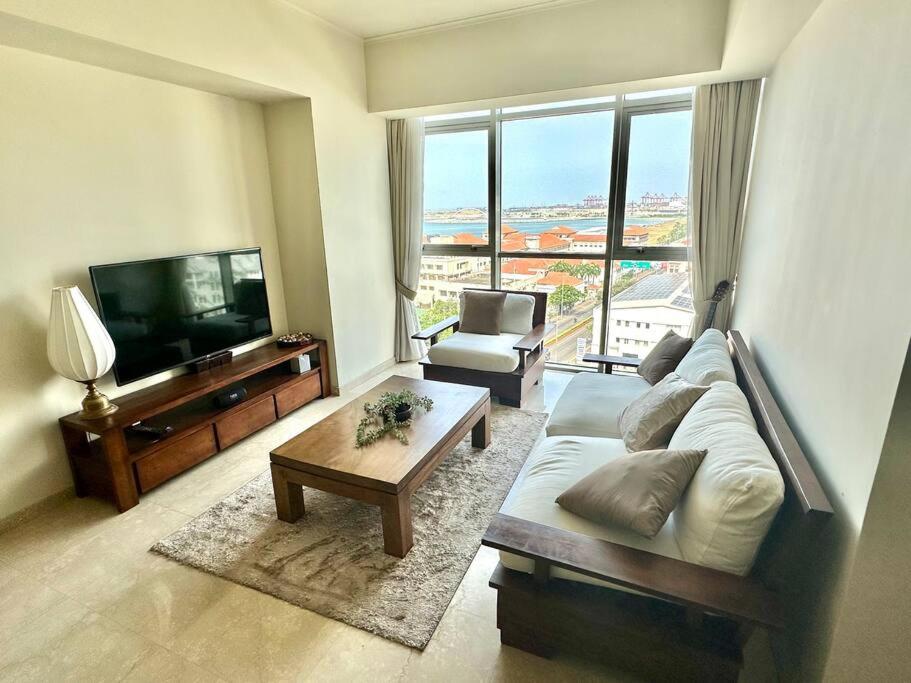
(331, 561)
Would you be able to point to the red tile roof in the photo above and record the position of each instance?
(467, 238)
(634, 231)
(558, 279)
(596, 237)
(514, 242)
(524, 266)
(562, 230)
(507, 229)
(548, 241)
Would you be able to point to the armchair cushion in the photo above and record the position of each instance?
(488, 352)
(518, 312)
(483, 312)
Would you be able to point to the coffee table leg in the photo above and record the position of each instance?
(397, 530)
(289, 497)
(480, 433)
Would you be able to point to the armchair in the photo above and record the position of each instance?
(509, 364)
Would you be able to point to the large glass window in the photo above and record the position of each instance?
(555, 181)
(647, 298)
(657, 179)
(455, 188)
(574, 299)
(587, 202)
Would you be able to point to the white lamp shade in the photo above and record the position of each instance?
(78, 346)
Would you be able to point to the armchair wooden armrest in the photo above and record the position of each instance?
(709, 590)
(608, 362)
(432, 332)
(533, 339)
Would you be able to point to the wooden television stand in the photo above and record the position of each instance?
(119, 465)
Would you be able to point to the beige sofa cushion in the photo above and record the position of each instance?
(708, 360)
(636, 491)
(650, 420)
(725, 513)
(555, 465)
(664, 358)
(592, 402)
(489, 352)
(483, 312)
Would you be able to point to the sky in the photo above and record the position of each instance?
(557, 159)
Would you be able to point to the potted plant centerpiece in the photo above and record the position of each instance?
(391, 414)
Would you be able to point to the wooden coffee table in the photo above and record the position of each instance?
(387, 472)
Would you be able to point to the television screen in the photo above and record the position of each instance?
(168, 312)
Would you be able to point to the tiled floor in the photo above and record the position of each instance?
(81, 598)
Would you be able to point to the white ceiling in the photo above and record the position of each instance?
(373, 18)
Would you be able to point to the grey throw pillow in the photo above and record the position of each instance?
(482, 312)
(650, 420)
(637, 491)
(664, 358)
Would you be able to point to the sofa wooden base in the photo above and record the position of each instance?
(635, 633)
(512, 388)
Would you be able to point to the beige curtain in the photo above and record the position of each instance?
(405, 139)
(724, 118)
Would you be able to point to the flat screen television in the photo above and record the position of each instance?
(167, 312)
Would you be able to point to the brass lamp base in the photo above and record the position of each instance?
(95, 404)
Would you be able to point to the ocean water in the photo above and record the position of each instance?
(592, 224)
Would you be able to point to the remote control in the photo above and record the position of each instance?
(150, 430)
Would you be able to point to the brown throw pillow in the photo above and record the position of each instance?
(663, 359)
(650, 420)
(482, 312)
(637, 491)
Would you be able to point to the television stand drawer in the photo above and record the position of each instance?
(298, 394)
(244, 422)
(172, 459)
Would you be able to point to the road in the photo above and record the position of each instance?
(564, 350)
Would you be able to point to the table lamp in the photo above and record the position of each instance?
(79, 348)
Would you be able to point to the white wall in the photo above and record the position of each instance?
(97, 167)
(295, 196)
(570, 46)
(103, 167)
(822, 295)
(272, 43)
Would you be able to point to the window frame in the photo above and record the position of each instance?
(624, 110)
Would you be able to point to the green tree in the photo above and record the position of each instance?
(564, 298)
(588, 272)
(439, 311)
(561, 267)
(675, 234)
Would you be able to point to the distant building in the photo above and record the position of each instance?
(589, 243)
(643, 313)
(442, 278)
(551, 281)
(514, 242)
(550, 242)
(594, 201)
(635, 236)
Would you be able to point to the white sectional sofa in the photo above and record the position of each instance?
(678, 606)
(726, 511)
